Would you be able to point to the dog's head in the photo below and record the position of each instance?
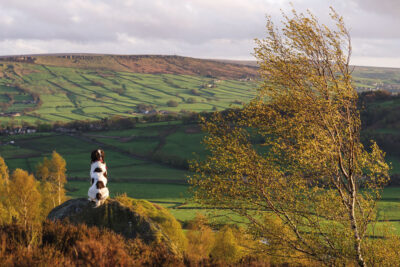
(98, 155)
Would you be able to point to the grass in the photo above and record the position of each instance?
(79, 92)
(150, 191)
(141, 176)
(127, 159)
(184, 145)
(177, 199)
(69, 94)
(72, 91)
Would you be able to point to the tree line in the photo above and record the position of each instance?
(26, 200)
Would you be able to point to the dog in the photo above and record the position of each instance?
(98, 191)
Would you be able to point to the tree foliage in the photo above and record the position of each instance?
(52, 174)
(294, 153)
(5, 215)
(24, 197)
(4, 175)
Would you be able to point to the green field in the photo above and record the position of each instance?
(141, 153)
(69, 94)
(134, 159)
(373, 78)
(66, 90)
(149, 161)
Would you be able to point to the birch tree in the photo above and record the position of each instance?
(291, 161)
(52, 174)
(24, 197)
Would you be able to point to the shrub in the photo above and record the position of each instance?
(226, 248)
(172, 103)
(200, 239)
(144, 107)
(238, 102)
(97, 83)
(195, 92)
(191, 100)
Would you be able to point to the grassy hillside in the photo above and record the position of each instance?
(150, 64)
(150, 160)
(136, 154)
(147, 162)
(90, 87)
(137, 161)
(367, 78)
(50, 93)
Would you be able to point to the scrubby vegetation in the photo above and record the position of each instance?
(63, 244)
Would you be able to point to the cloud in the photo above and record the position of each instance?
(87, 20)
(383, 7)
(199, 28)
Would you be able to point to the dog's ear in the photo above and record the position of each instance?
(93, 156)
(103, 155)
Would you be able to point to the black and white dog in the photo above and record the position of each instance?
(98, 192)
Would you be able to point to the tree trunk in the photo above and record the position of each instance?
(25, 216)
(59, 192)
(354, 227)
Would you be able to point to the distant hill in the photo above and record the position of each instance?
(250, 63)
(149, 64)
(69, 87)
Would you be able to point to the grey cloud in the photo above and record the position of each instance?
(383, 7)
(200, 28)
(195, 21)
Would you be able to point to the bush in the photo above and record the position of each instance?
(191, 100)
(195, 92)
(172, 103)
(201, 239)
(226, 247)
(144, 107)
(238, 102)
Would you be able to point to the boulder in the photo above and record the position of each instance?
(129, 217)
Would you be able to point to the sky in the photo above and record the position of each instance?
(223, 29)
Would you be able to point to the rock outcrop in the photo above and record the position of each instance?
(129, 217)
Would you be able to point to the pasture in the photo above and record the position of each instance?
(64, 90)
(133, 154)
(144, 163)
(67, 94)
(150, 160)
(140, 161)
